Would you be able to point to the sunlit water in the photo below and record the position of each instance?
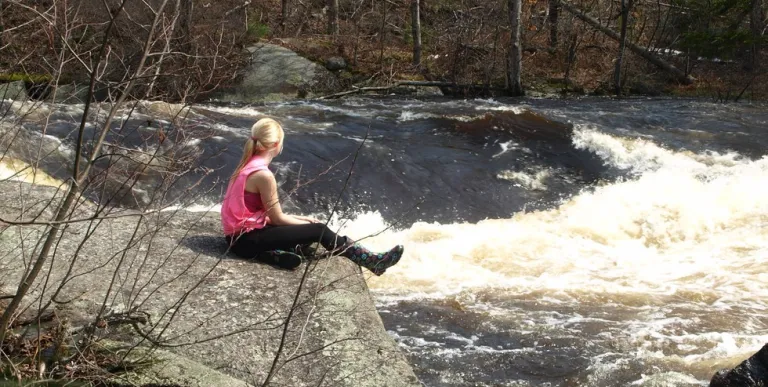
(561, 243)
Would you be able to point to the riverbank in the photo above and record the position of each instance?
(285, 69)
(545, 72)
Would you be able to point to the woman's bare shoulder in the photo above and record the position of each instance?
(260, 180)
(262, 174)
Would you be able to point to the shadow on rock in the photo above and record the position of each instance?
(217, 247)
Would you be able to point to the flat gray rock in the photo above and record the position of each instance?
(203, 304)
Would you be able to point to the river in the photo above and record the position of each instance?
(589, 242)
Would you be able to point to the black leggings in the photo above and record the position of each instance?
(250, 244)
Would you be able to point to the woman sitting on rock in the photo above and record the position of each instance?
(255, 225)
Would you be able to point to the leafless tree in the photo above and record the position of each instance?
(553, 14)
(185, 16)
(757, 26)
(416, 31)
(382, 31)
(100, 164)
(283, 15)
(626, 6)
(642, 52)
(515, 48)
(2, 23)
(333, 17)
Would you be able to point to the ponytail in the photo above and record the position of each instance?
(265, 133)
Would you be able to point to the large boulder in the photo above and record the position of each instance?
(225, 313)
(429, 91)
(68, 93)
(13, 90)
(753, 372)
(276, 73)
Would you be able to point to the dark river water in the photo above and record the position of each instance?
(548, 242)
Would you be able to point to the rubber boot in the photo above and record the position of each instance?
(288, 260)
(377, 263)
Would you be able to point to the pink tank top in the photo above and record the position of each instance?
(243, 211)
(252, 201)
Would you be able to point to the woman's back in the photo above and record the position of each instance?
(241, 212)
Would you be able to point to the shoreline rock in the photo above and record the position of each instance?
(275, 73)
(752, 372)
(16, 91)
(336, 337)
(70, 93)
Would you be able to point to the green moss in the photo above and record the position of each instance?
(257, 30)
(31, 78)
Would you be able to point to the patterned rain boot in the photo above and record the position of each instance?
(377, 263)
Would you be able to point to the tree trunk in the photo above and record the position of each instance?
(2, 24)
(168, 39)
(642, 52)
(382, 32)
(554, 14)
(625, 5)
(515, 51)
(573, 47)
(185, 24)
(357, 43)
(304, 18)
(333, 17)
(756, 26)
(416, 29)
(283, 15)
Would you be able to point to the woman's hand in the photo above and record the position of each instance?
(307, 219)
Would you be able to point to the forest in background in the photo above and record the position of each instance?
(709, 48)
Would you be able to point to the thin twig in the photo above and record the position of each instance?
(305, 275)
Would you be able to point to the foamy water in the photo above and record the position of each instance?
(657, 258)
(687, 223)
(686, 232)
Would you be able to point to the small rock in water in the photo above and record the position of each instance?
(753, 372)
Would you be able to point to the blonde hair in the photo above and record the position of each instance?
(265, 133)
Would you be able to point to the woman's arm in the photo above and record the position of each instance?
(267, 187)
(307, 218)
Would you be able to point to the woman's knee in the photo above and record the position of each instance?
(320, 228)
(327, 237)
(322, 231)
